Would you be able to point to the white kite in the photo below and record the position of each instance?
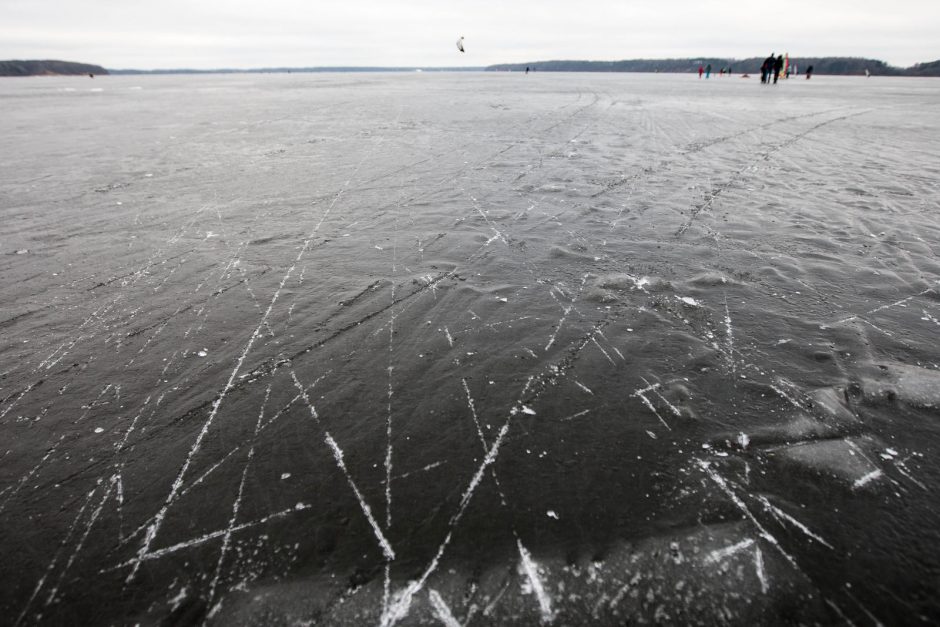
(460, 44)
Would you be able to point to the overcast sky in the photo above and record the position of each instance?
(204, 34)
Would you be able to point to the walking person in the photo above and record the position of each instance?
(767, 69)
(708, 70)
(701, 70)
(778, 65)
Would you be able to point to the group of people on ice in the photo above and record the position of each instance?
(773, 67)
(707, 71)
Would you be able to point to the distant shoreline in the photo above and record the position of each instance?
(837, 66)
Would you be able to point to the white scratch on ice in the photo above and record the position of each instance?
(584, 387)
(531, 570)
(227, 538)
(55, 558)
(861, 481)
(158, 553)
(782, 515)
(759, 566)
(441, 610)
(154, 528)
(652, 409)
(338, 457)
(720, 554)
(566, 311)
(577, 415)
(719, 480)
(32, 472)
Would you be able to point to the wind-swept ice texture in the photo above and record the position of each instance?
(469, 349)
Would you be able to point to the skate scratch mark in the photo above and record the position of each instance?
(154, 528)
(441, 610)
(229, 455)
(723, 485)
(22, 394)
(473, 412)
(291, 402)
(645, 400)
(68, 345)
(120, 445)
(498, 235)
(532, 573)
(875, 474)
(529, 567)
(118, 477)
(31, 472)
(782, 515)
(840, 613)
(902, 468)
(648, 388)
(786, 396)
(759, 567)
(720, 554)
(388, 416)
(489, 608)
(227, 538)
(927, 316)
(254, 299)
(614, 348)
(492, 325)
(78, 547)
(584, 387)
(729, 336)
(450, 340)
(594, 339)
(159, 553)
(93, 404)
(871, 616)
(888, 306)
(655, 390)
(338, 456)
(167, 366)
(387, 578)
(208, 472)
(401, 604)
(430, 466)
(567, 310)
(55, 558)
(874, 326)
(577, 415)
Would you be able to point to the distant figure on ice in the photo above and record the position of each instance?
(701, 70)
(778, 65)
(767, 68)
(867, 73)
(708, 70)
(460, 44)
(809, 72)
(527, 69)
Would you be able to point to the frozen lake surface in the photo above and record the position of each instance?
(469, 349)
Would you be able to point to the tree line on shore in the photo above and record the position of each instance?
(821, 65)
